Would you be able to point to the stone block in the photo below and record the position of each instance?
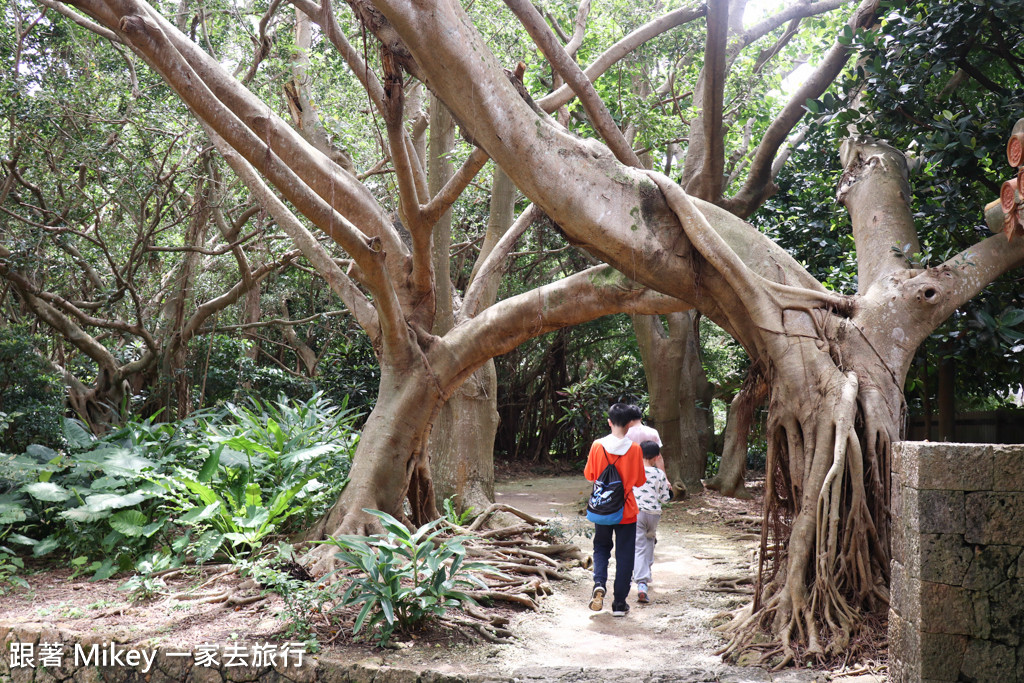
(904, 462)
(45, 676)
(1020, 664)
(982, 617)
(946, 609)
(944, 558)
(940, 512)
(1020, 567)
(987, 662)
(904, 650)
(1006, 612)
(954, 466)
(991, 566)
(1008, 467)
(204, 674)
(175, 667)
(22, 675)
(995, 518)
(906, 549)
(359, 672)
(87, 674)
(942, 654)
(905, 595)
(243, 674)
(300, 674)
(910, 512)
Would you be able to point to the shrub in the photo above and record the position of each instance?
(403, 578)
(230, 478)
(31, 393)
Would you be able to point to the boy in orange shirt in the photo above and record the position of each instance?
(627, 458)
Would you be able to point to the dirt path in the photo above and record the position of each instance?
(669, 640)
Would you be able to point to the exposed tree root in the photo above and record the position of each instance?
(233, 594)
(743, 585)
(523, 554)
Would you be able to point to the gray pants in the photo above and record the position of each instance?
(646, 539)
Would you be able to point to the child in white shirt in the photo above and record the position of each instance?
(648, 498)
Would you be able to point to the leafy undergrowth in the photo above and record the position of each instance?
(440, 581)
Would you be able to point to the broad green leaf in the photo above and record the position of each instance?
(76, 434)
(308, 454)
(128, 522)
(207, 545)
(229, 457)
(114, 501)
(237, 538)
(1012, 317)
(275, 431)
(46, 546)
(246, 445)
(200, 513)
(41, 453)
(204, 492)
(21, 540)
(85, 514)
(389, 523)
(254, 518)
(106, 569)
(127, 462)
(283, 498)
(362, 617)
(47, 491)
(107, 484)
(153, 527)
(253, 496)
(209, 467)
(12, 513)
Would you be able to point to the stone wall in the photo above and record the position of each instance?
(957, 593)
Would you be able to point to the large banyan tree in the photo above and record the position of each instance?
(834, 363)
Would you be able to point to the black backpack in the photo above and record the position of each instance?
(608, 498)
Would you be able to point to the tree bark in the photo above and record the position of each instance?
(462, 438)
(732, 469)
(678, 390)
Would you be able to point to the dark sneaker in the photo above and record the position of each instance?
(597, 599)
(619, 609)
(641, 590)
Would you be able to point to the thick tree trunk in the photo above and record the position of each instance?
(177, 382)
(679, 394)
(462, 442)
(392, 446)
(730, 480)
(947, 398)
(695, 409)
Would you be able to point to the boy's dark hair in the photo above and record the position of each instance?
(637, 413)
(651, 449)
(620, 414)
